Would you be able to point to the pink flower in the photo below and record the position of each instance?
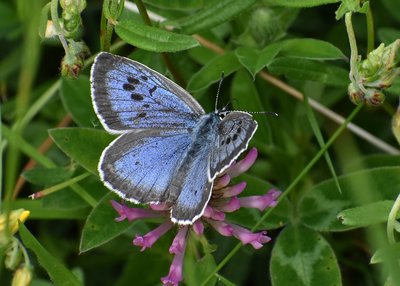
(150, 238)
(245, 236)
(131, 214)
(223, 200)
(175, 271)
(260, 202)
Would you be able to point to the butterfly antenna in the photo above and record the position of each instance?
(263, 112)
(219, 88)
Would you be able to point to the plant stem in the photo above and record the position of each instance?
(354, 75)
(392, 220)
(370, 31)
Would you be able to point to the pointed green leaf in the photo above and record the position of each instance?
(320, 206)
(213, 14)
(211, 72)
(100, 226)
(303, 69)
(380, 255)
(311, 49)
(300, 3)
(38, 211)
(47, 176)
(58, 273)
(75, 94)
(302, 257)
(83, 145)
(152, 38)
(197, 270)
(255, 60)
(369, 214)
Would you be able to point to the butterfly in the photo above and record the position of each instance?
(168, 149)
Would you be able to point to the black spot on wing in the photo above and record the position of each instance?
(137, 96)
(152, 90)
(143, 77)
(142, 114)
(132, 80)
(128, 87)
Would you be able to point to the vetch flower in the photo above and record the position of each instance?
(14, 216)
(223, 200)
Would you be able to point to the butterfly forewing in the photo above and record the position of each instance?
(235, 132)
(128, 95)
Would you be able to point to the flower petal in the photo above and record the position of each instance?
(175, 271)
(235, 190)
(178, 245)
(260, 202)
(131, 214)
(244, 164)
(150, 238)
(232, 205)
(246, 236)
(222, 227)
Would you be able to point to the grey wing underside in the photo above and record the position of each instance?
(235, 132)
(127, 95)
(139, 166)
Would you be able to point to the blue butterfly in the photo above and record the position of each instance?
(169, 150)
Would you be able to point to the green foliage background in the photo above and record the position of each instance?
(339, 183)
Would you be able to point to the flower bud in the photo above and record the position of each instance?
(396, 125)
(355, 94)
(22, 277)
(374, 97)
(15, 215)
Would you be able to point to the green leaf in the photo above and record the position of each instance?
(47, 176)
(300, 3)
(318, 134)
(100, 226)
(388, 35)
(58, 273)
(321, 204)
(302, 257)
(365, 215)
(245, 97)
(381, 255)
(310, 49)
(303, 69)
(393, 7)
(176, 4)
(211, 72)
(225, 281)
(75, 95)
(38, 211)
(197, 270)
(213, 14)
(351, 6)
(152, 38)
(83, 145)
(255, 60)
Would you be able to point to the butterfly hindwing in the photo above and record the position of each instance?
(192, 186)
(235, 131)
(139, 166)
(128, 95)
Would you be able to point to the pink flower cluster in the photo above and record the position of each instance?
(224, 200)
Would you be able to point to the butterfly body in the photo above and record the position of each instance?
(168, 150)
